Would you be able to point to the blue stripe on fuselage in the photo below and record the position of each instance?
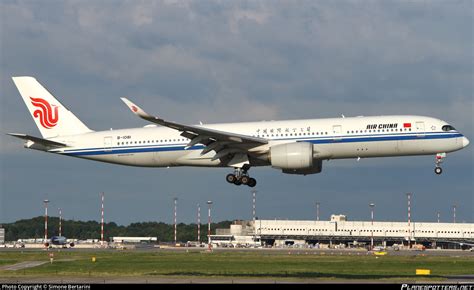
(320, 140)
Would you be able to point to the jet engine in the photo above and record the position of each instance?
(295, 158)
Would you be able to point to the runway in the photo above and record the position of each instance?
(270, 251)
(22, 265)
(217, 280)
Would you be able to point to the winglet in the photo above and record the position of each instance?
(136, 109)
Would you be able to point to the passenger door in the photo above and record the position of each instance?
(108, 143)
(420, 129)
(337, 132)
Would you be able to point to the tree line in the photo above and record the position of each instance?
(82, 230)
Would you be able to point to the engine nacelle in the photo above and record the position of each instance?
(292, 156)
(317, 168)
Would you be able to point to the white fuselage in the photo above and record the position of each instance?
(335, 138)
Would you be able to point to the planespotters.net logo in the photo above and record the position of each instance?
(47, 117)
(437, 287)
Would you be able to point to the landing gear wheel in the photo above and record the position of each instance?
(230, 178)
(438, 160)
(252, 182)
(241, 176)
(245, 180)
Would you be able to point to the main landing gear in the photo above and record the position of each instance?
(240, 176)
(438, 160)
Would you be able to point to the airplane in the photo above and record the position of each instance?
(60, 241)
(292, 146)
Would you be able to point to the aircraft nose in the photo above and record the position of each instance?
(465, 142)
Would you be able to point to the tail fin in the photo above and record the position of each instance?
(52, 118)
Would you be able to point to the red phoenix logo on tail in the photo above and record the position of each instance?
(47, 117)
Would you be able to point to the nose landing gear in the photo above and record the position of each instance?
(438, 160)
(240, 176)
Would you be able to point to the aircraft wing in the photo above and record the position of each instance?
(222, 142)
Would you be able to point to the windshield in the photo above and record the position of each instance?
(448, 128)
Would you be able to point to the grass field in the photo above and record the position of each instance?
(234, 264)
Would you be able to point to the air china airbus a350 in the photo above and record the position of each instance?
(294, 147)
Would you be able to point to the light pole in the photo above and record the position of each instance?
(60, 218)
(199, 224)
(45, 221)
(372, 205)
(409, 218)
(175, 213)
(209, 203)
(102, 220)
(317, 211)
(454, 213)
(254, 204)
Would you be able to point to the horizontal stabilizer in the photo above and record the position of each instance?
(37, 140)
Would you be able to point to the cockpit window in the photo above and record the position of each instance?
(448, 128)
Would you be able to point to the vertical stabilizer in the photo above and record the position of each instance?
(52, 118)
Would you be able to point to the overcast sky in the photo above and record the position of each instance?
(227, 61)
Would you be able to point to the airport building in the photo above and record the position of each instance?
(340, 231)
(2, 236)
(134, 240)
